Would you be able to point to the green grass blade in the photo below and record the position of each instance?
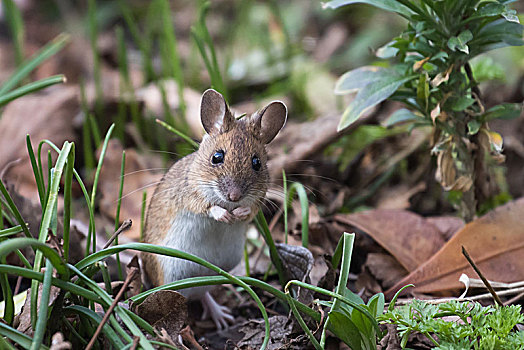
(143, 215)
(14, 209)
(108, 300)
(302, 323)
(304, 207)
(16, 336)
(151, 248)
(95, 183)
(285, 205)
(49, 212)
(93, 37)
(171, 59)
(179, 133)
(336, 296)
(9, 312)
(67, 199)
(43, 54)
(263, 228)
(39, 276)
(96, 319)
(36, 171)
(13, 244)
(10, 231)
(41, 321)
(118, 206)
(4, 344)
(14, 20)
(347, 252)
(31, 87)
(142, 44)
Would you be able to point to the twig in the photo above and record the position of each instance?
(473, 298)
(514, 299)
(134, 346)
(474, 84)
(128, 280)
(486, 282)
(125, 225)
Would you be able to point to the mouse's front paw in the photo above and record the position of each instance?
(221, 214)
(241, 213)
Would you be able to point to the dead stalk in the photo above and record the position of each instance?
(128, 280)
(125, 225)
(484, 280)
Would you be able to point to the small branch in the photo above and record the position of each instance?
(125, 225)
(484, 280)
(136, 340)
(128, 280)
(474, 84)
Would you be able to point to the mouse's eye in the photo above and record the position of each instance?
(218, 157)
(256, 163)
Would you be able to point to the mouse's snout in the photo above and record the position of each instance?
(233, 191)
(234, 194)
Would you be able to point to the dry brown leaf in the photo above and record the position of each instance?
(410, 238)
(493, 241)
(137, 178)
(165, 309)
(45, 115)
(24, 318)
(385, 269)
(136, 283)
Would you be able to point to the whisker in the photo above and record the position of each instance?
(138, 189)
(142, 170)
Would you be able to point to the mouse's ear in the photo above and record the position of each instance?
(269, 120)
(214, 112)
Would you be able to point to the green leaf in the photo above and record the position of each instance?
(387, 51)
(388, 5)
(370, 96)
(400, 116)
(459, 42)
(504, 111)
(423, 91)
(344, 328)
(358, 78)
(473, 127)
(462, 103)
(376, 304)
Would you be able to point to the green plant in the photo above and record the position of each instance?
(349, 318)
(469, 325)
(428, 70)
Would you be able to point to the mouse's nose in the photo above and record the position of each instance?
(234, 194)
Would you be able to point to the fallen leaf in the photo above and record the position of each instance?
(165, 309)
(45, 115)
(280, 333)
(385, 269)
(24, 318)
(493, 241)
(410, 238)
(137, 178)
(297, 260)
(136, 283)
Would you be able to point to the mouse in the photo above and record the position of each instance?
(205, 201)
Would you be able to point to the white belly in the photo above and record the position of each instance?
(216, 242)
